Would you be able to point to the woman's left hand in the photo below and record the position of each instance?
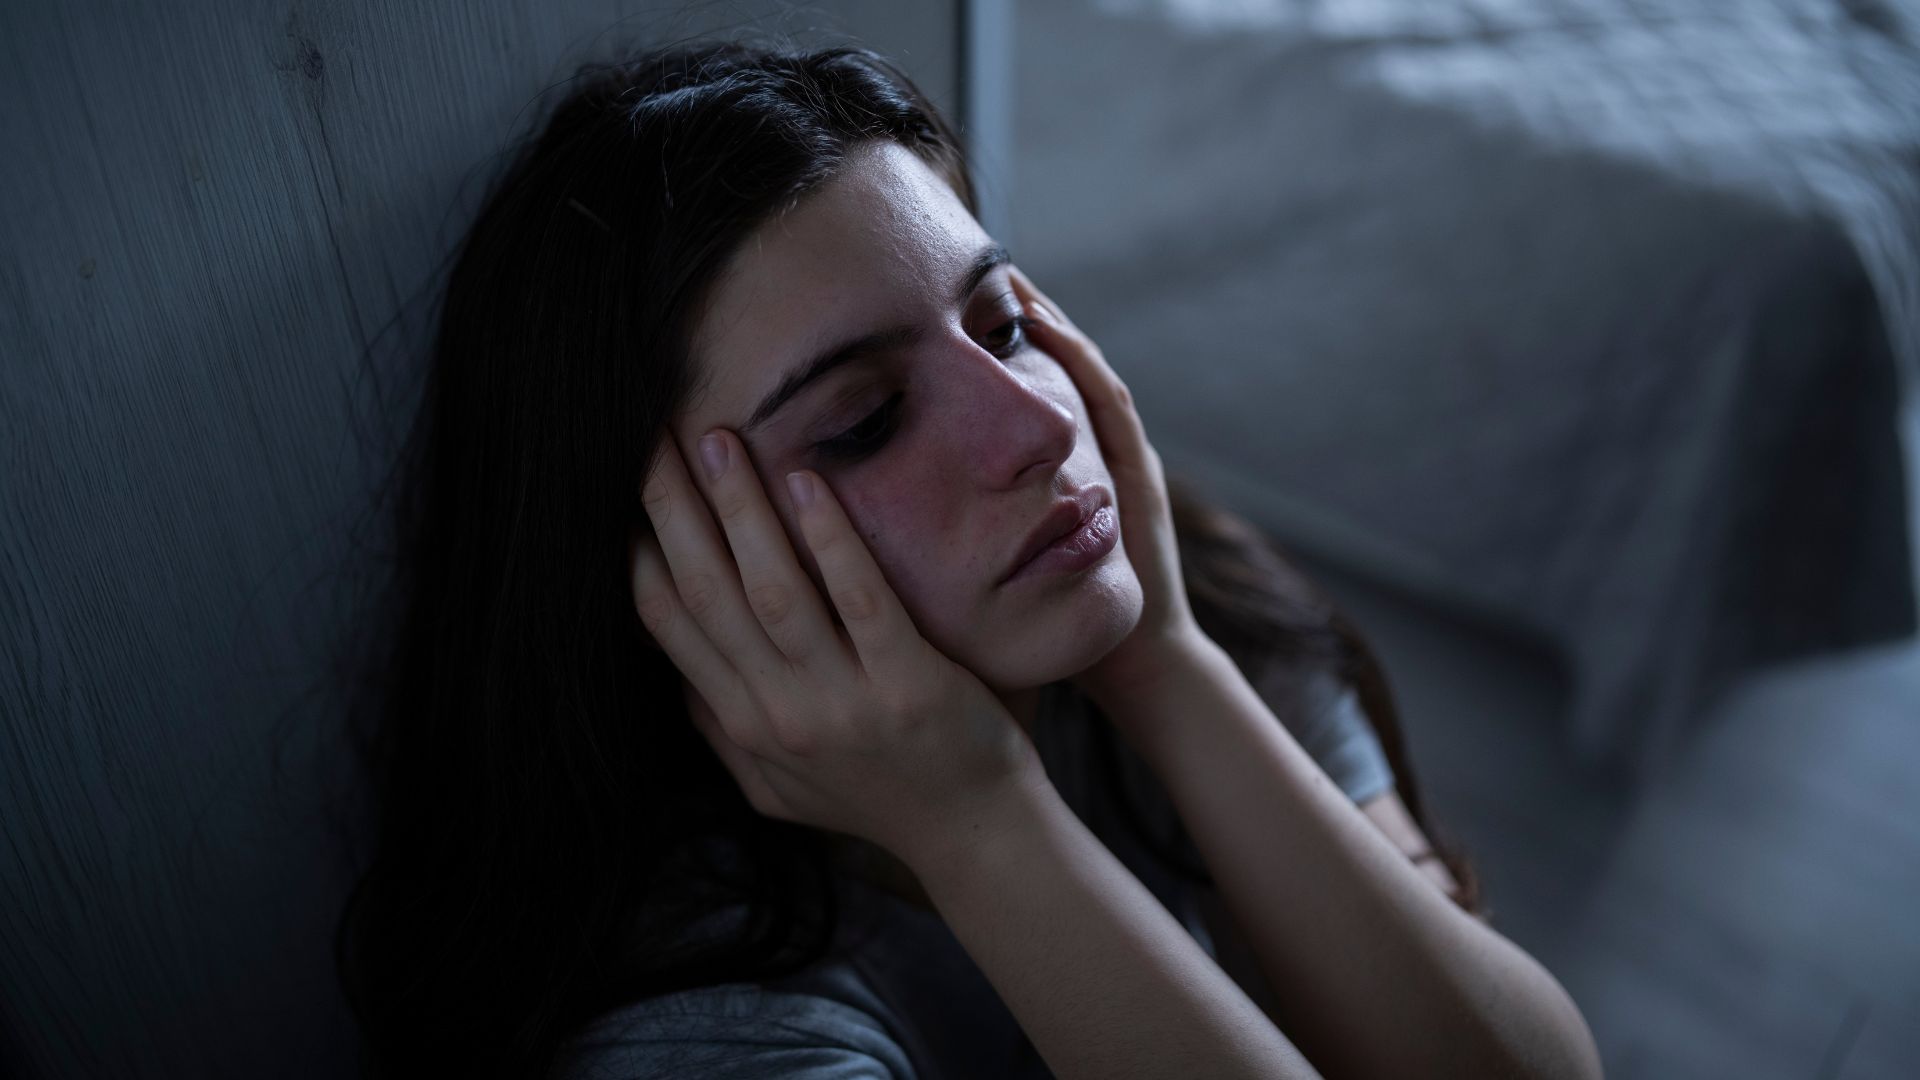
(1167, 630)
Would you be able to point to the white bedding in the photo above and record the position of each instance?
(1585, 315)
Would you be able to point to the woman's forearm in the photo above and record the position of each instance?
(1101, 977)
(1375, 972)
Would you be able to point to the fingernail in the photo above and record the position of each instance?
(800, 486)
(713, 454)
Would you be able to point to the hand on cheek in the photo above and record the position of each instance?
(1167, 625)
(796, 706)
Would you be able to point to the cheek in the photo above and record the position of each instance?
(1042, 372)
(1047, 377)
(1057, 385)
(914, 527)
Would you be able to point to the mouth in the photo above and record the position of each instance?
(1076, 532)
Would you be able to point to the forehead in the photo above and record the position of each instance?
(877, 244)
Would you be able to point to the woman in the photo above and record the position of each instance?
(734, 726)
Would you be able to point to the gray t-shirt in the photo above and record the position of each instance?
(899, 997)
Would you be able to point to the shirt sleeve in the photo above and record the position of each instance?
(1322, 712)
(737, 1032)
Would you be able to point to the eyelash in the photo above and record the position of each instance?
(848, 446)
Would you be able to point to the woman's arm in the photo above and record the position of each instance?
(1374, 971)
(1101, 977)
(1391, 817)
(1322, 712)
(1236, 957)
(1378, 974)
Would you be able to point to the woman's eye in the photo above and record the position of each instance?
(1015, 330)
(863, 438)
(873, 431)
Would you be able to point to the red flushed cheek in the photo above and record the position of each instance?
(920, 534)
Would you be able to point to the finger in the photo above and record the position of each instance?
(880, 628)
(778, 591)
(703, 570)
(1109, 402)
(1099, 384)
(701, 665)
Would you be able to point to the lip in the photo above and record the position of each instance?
(1074, 534)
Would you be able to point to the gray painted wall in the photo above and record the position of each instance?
(212, 210)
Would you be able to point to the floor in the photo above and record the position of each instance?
(1747, 913)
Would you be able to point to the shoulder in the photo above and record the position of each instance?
(737, 1030)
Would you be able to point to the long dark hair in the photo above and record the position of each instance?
(549, 825)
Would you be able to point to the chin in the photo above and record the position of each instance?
(1070, 634)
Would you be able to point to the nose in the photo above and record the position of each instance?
(1010, 421)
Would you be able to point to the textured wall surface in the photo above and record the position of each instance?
(212, 211)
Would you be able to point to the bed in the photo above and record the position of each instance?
(1591, 318)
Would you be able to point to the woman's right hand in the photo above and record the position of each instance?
(863, 727)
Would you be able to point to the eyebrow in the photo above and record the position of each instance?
(880, 341)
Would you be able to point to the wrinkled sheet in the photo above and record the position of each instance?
(1585, 317)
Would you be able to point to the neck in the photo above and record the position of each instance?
(1023, 705)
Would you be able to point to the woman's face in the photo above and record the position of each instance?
(946, 442)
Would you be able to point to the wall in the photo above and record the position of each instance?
(213, 212)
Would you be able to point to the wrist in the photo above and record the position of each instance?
(1149, 689)
(962, 839)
